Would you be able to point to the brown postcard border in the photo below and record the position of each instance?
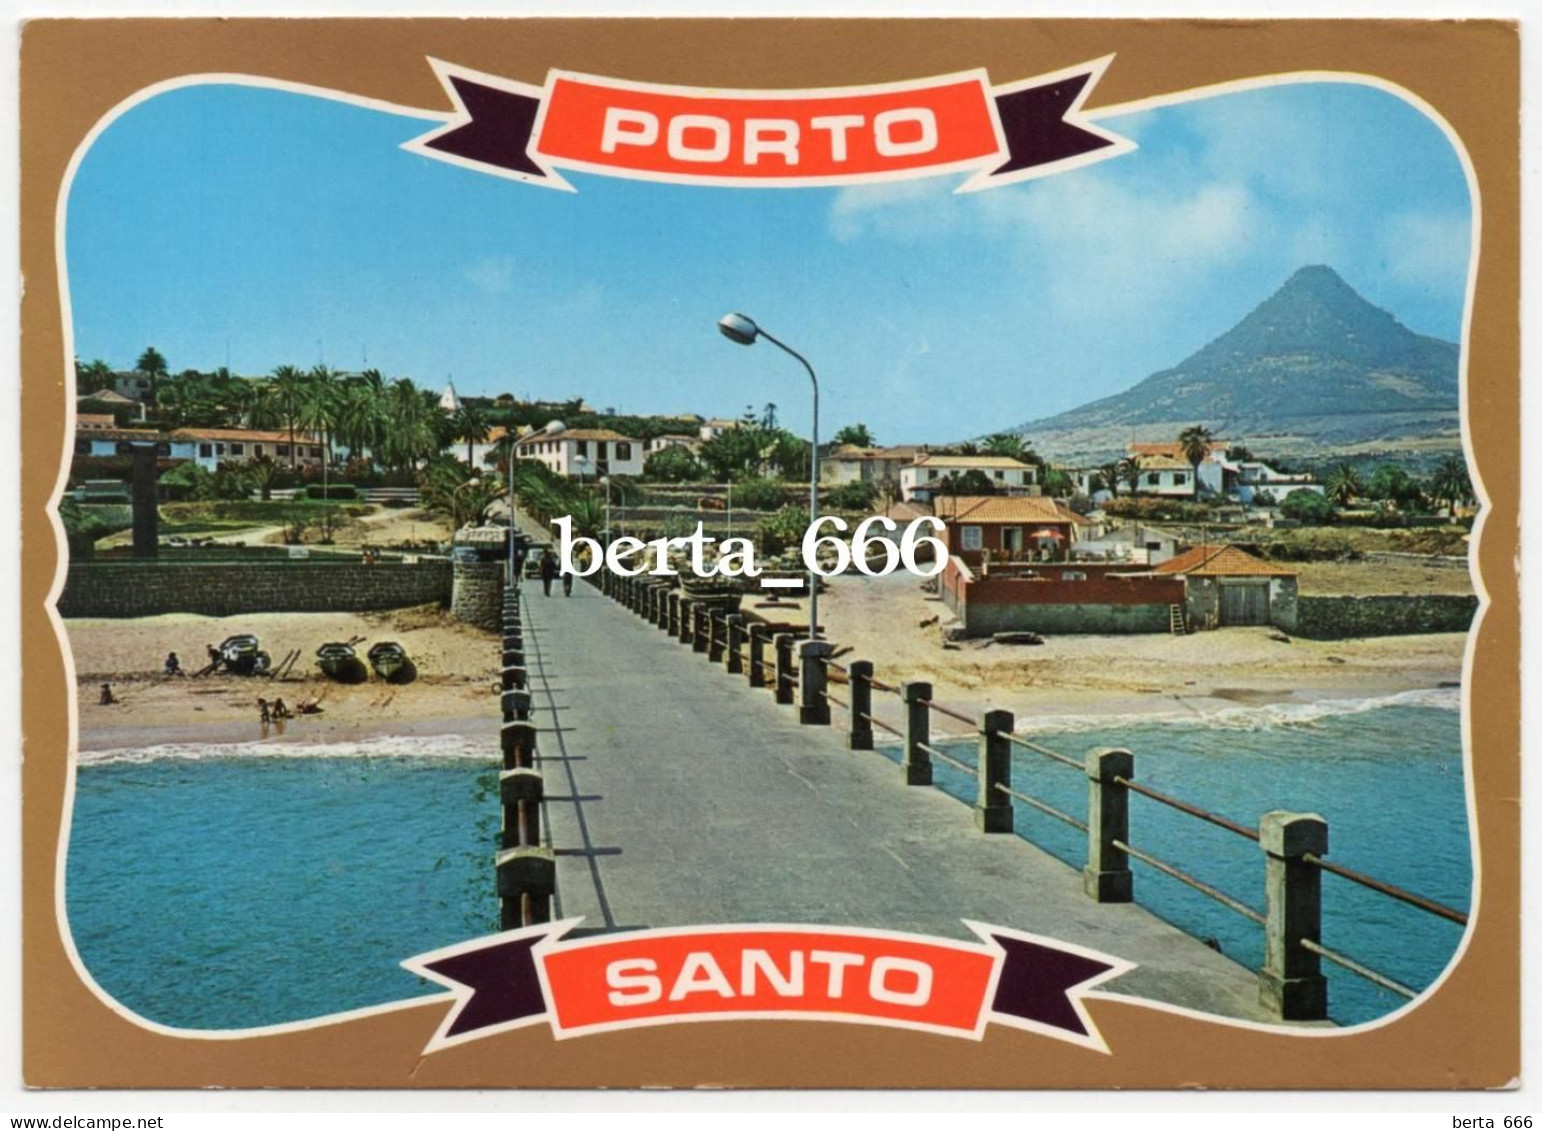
(1465, 1035)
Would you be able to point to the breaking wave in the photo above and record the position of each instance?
(437, 746)
(1261, 717)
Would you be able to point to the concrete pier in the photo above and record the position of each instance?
(676, 795)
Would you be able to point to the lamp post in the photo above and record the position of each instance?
(741, 329)
(551, 428)
(605, 479)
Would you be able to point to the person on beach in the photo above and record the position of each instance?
(280, 710)
(107, 699)
(173, 665)
(264, 714)
(548, 571)
(215, 657)
(308, 707)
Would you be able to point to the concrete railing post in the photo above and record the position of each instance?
(516, 706)
(701, 626)
(512, 676)
(717, 636)
(672, 622)
(1291, 984)
(1107, 877)
(786, 684)
(527, 881)
(917, 765)
(518, 742)
(734, 659)
(521, 792)
(813, 679)
(687, 620)
(755, 665)
(859, 686)
(993, 808)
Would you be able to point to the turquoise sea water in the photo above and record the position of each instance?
(232, 887)
(1388, 779)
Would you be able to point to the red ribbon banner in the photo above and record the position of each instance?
(790, 138)
(637, 978)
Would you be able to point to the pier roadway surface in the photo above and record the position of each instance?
(677, 795)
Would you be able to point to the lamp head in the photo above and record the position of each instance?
(739, 328)
(553, 427)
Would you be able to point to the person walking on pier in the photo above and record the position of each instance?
(548, 571)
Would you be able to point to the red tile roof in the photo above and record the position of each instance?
(1221, 561)
(984, 509)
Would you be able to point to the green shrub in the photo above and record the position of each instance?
(1308, 508)
(783, 529)
(331, 491)
(758, 494)
(857, 496)
(674, 464)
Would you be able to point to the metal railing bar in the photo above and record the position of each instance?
(1192, 810)
(1408, 897)
(839, 702)
(882, 686)
(1047, 810)
(881, 725)
(1354, 967)
(1054, 755)
(949, 759)
(1198, 885)
(837, 666)
(950, 712)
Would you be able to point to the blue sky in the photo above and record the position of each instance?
(266, 228)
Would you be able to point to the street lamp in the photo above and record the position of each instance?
(551, 429)
(741, 329)
(605, 479)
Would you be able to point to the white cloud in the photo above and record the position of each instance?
(1426, 248)
(918, 209)
(1104, 249)
(492, 275)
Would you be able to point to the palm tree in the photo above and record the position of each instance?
(1111, 473)
(289, 391)
(153, 366)
(856, 435)
(321, 406)
(471, 426)
(1194, 441)
(1451, 483)
(1344, 484)
(1128, 469)
(1005, 444)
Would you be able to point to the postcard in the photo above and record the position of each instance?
(770, 553)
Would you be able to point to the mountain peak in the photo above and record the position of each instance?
(1314, 349)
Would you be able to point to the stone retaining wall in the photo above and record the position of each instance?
(1340, 618)
(478, 594)
(147, 588)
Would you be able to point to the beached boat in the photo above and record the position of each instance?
(243, 655)
(339, 661)
(390, 661)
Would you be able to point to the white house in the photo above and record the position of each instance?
(1254, 476)
(690, 443)
(851, 464)
(586, 452)
(1083, 479)
(207, 447)
(931, 475)
(712, 429)
(1164, 475)
(1134, 542)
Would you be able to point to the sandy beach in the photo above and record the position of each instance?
(897, 626)
(454, 691)
(890, 621)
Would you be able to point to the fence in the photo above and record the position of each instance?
(1293, 846)
(526, 869)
